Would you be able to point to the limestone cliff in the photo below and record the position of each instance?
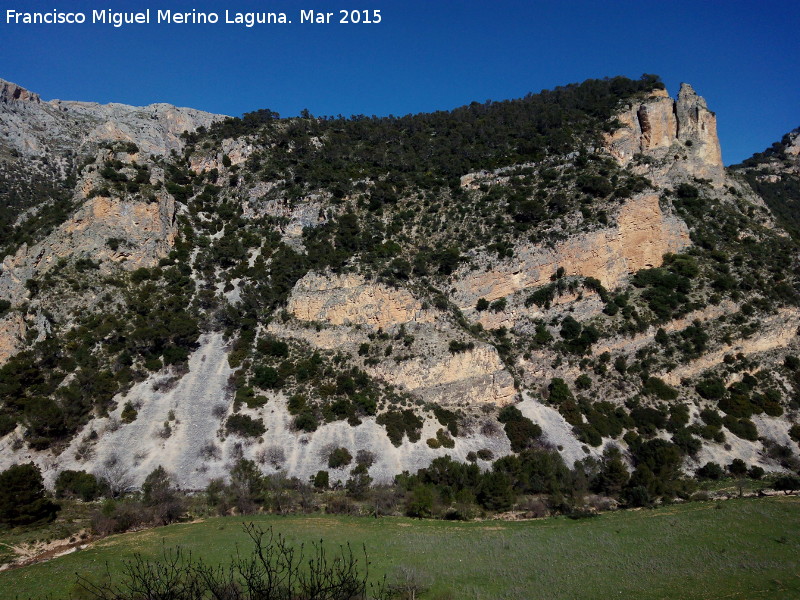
(12, 336)
(678, 137)
(33, 127)
(429, 369)
(643, 233)
(146, 231)
(350, 300)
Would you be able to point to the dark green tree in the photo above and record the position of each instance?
(23, 499)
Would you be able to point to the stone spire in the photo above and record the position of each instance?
(681, 135)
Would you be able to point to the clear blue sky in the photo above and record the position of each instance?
(744, 57)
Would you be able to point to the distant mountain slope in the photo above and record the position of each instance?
(775, 175)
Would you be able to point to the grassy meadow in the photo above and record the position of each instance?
(744, 548)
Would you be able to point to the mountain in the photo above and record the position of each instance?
(571, 271)
(775, 175)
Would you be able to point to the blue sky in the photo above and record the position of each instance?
(744, 57)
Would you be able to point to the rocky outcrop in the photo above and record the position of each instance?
(12, 335)
(345, 304)
(236, 150)
(351, 300)
(476, 376)
(11, 92)
(775, 332)
(642, 235)
(145, 231)
(36, 128)
(780, 161)
(680, 136)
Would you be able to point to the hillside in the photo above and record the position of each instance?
(775, 175)
(567, 272)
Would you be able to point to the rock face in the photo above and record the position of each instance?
(146, 230)
(350, 300)
(681, 134)
(12, 336)
(642, 235)
(11, 92)
(476, 376)
(778, 331)
(36, 128)
(430, 370)
(50, 141)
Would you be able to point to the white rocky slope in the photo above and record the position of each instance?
(197, 449)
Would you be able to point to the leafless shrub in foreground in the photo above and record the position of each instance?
(274, 569)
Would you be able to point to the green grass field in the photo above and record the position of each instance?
(747, 548)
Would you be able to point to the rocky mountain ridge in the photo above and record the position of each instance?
(240, 296)
(35, 128)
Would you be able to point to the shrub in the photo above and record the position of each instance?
(399, 424)
(520, 430)
(743, 428)
(78, 484)
(498, 305)
(711, 470)
(656, 387)
(306, 421)
(485, 454)
(737, 468)
(794, 432)
(711, 417)
(648, 420)
(244, 425)
(339, 457)
(686, 191)
(570, 328)
(495, 492)
(273, 347)
(447, 418)
(444, 439)
(636, 496)
(420, 502)
(321, 480)
(266, 377)
(711, 389)
(686, 442)
(787, 483)
(456, 346)
(129, 413)
(583, 382)
(542, 297)
(274, 569)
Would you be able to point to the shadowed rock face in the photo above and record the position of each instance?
(11, 92)
(680, 134)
